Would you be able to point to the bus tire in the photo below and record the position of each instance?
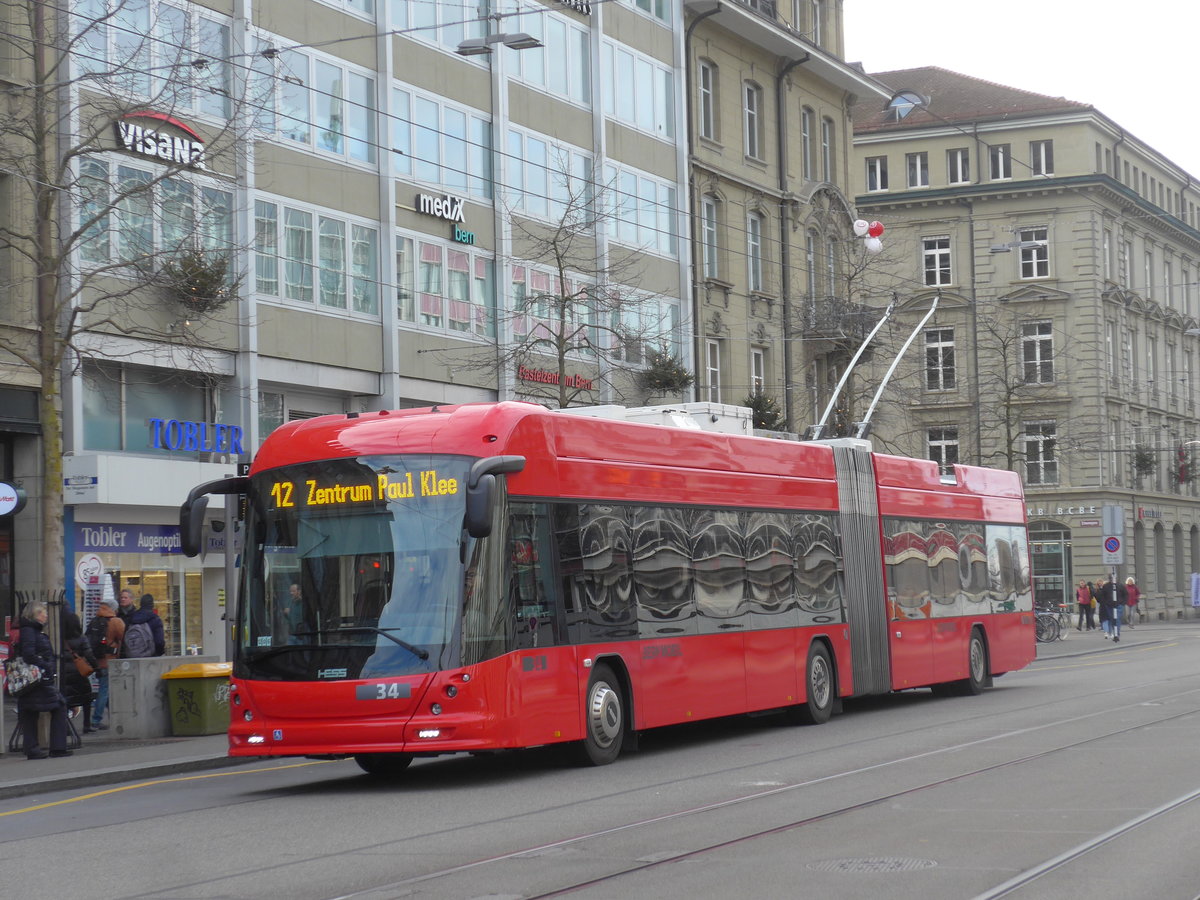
(818, 689)
(384, 765)
(604, 719)
(977, 666)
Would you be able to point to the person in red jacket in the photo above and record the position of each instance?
(1132, 603)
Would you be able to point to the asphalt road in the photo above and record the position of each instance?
(1077, 777)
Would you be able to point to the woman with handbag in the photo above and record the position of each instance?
(35, 649)
(79, 662)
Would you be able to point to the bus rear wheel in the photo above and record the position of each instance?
(818, 689)
(604, 719)
(384, 765)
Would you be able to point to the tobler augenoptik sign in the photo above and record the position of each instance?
(159, 136)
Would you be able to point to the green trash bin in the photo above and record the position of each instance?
(198, 695)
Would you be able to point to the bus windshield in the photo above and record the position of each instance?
(353, 568)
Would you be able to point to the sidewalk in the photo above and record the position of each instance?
(103, 761)
(1079, 643)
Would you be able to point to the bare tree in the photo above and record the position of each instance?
(89, 247)
(574, 309)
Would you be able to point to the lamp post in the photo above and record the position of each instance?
(480, 46)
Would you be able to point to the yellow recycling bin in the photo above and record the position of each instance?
(198, 695)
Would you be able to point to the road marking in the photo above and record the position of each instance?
(143, 784)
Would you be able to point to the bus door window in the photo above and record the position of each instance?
(535, 617)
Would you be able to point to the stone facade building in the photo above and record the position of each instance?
(1065, 256)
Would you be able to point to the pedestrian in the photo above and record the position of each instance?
(107, 633)
(126, 607)
(147, 614)
(1087, 607)
(1135, 595)
(35, 649)
(1112, 598)
(1101, 610)
(76, 686)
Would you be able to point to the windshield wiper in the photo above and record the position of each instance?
(369, 629)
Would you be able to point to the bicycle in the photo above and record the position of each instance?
(1047, 627)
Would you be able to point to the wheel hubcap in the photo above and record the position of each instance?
(604, 715)
(977, 660)
(819, 682)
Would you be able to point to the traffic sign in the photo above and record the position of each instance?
(1112, 552)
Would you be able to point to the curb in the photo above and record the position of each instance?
(114, 775)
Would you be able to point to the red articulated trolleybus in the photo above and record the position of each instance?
(499, 575)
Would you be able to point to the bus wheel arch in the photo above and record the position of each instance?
(607, 713)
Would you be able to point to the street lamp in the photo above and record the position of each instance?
(517, 40)
(1023, 245)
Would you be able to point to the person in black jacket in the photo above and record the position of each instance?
(76, 689)
(148, 614)
(35, 649)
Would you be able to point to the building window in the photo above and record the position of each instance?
(939, 359)
(936, 258)
(958, 165)
(1126, 272)
(810, 263)
(826, 149)
(642, 211)
(758, 370)
(1107, 255)
(918, 169)
(708, 236)
(638, 91)
(877, 173)
(1148, 273)
(817, 23)
(659, 9)
(147, 51)
(120, 400)
(999, 162)
(1041, 463)
(442, 145)
(754, 251)
(708, 100)
(447, 287)
(942, 445)
(1041, 157)
(1168, 283)
(155, 213)
(712, 370)
(753, 115)
(321, 257)
(319, 102)
(1035, 252)
(1110, 349)
(806, 142)
(1037, 352)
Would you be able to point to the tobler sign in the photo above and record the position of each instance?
(143, 133)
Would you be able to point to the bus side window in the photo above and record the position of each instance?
(536, 619)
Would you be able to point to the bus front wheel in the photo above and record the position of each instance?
(604, 723)
(383, 765)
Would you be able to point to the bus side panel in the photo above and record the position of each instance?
(1011, 642)
(705, 680)
(950, 639)
(911, 653)
(774, 671)
(543, 700)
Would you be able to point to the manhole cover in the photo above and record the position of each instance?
(873, 864)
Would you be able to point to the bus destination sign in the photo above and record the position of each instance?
(427, 483)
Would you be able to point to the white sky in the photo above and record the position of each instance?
(1137, 63)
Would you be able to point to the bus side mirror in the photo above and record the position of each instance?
(480, 500)
(191, 525)
(191, 511)
(481, 491)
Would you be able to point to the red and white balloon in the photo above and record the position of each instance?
(870, 232)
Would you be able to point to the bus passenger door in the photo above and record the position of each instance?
(544, 676)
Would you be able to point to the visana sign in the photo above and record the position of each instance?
(447, 207)
(183, 151)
